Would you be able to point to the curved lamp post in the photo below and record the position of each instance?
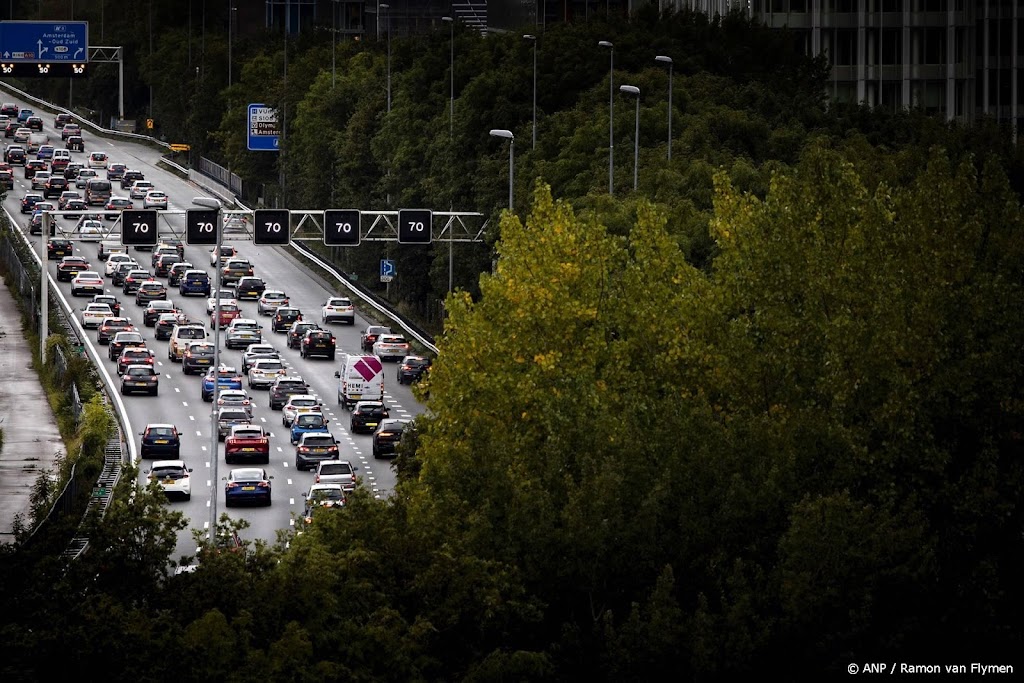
(668, 60)
(611, 116)
(507, 134)
(633, 90)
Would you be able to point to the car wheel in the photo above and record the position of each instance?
(227, 502)
(298, 465)
(123, 392)
(155, 392)
(188, 497)
(284, 422)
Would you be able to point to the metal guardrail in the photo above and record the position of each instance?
(92, 126)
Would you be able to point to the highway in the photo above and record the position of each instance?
(179, 400)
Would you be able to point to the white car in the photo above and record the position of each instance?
(322, 496)
(300, 404)
(338, 308)
(90, 230)
(98, 160)
(155, 199)
(393, 346)
(173, 477)
(140, 188)
(93, 315)
(87, 282)
(270, 301)
(227, 296)
(114, 260)
(265, 371)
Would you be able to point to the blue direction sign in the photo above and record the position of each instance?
(387, 269)
(44, 41)
(264, 131)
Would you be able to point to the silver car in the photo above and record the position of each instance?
(228, 417)
(235, 398)
(336, 472)
(242, 332)
(265, 372)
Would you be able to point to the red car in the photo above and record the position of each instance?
(228, 312)
(247, 443)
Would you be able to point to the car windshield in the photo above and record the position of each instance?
(247, 475)
(269, 365)
(302, 402)
(140, 371)
(310, 421)
(325, 494)
(335, 468)
(248, 433)
(320, 441)
(234, 415)
(161, 431)
(175, 472)
(191, 333)
(246, 326)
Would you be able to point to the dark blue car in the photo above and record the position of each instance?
(247, 485)
(308, 422)
(227, 378)
(160, 441)
(194, 282)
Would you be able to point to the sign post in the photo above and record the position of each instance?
(264, 131)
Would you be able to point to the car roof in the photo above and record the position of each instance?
(160, 464)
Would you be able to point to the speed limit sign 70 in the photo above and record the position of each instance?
(415, 226)
(341, 227)
(201, 226)
(271, 227)
(138, 228)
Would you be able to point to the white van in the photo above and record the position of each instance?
(37, 140)
(361, 378)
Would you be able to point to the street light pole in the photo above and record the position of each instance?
(611, 116)
(334, 39)
(633, 90)
(668, 60)
(451, 111)
(387, 8)
(507, 134)
(231, 14)
(533, 39)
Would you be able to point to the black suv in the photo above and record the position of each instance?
(297, 331)
(54, 186)
(14, 155)
(284, 388)
(249, 288)
(284, 317)
(412, 369)
(129, 177)
(56, 249)
(387, 436)
(317, 343)
(366, 415)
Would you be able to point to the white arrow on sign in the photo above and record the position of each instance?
(77, 52)
(41, 48)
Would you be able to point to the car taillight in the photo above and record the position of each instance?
(232, 485)
(303, 449)
(263, 485)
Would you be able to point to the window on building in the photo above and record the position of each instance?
(844, 51)
(892, 45)
(892, 95)
(932, 47)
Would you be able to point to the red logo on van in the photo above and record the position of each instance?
(368, 367)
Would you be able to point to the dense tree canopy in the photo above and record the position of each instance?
(766, 411)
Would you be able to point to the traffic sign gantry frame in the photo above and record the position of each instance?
(271, 227)
(415, 226)
(202, 226)
(341, 227)
(139, 227)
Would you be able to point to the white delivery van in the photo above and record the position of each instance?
(361, 378)
(37, 140)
